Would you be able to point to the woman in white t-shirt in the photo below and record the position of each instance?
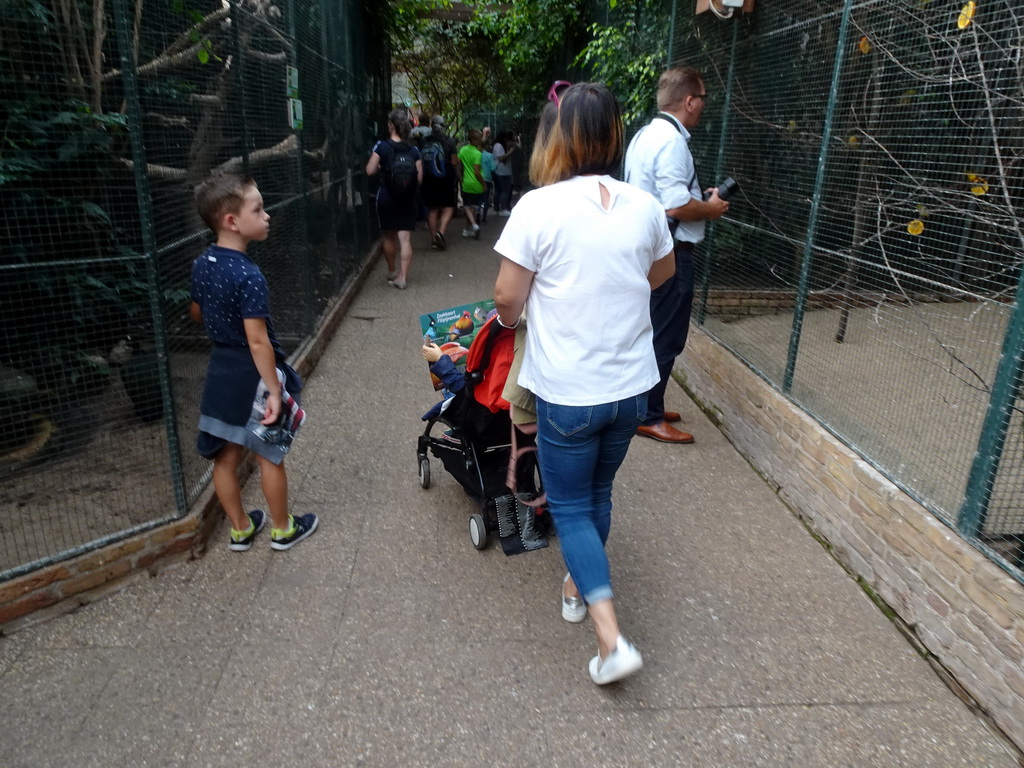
(582, 253)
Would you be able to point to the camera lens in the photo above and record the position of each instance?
(727, 188)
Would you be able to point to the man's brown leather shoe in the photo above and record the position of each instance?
(664, 432)
(671, 417)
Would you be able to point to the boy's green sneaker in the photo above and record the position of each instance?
(242, 540)
(302, 527)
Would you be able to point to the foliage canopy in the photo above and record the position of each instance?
(510, 53)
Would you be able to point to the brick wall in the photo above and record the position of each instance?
(62, 587)
(960, 606)
(65, 586)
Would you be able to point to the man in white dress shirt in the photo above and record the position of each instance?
(659, 161)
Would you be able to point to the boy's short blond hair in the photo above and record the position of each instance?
(222, 193)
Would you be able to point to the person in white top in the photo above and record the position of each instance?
(504, 148)
(659, 161)
(581, 255)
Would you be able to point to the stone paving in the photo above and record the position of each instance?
(387, 640)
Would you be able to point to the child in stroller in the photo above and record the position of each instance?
(471, 432)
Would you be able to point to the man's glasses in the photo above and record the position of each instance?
(701, 95)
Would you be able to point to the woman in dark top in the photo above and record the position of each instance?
(397, 216)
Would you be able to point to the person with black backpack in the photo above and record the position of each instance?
(401, 170)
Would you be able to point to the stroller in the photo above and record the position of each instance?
(494, 460)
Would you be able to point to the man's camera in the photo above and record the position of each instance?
(728, 186)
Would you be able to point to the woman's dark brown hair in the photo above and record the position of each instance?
(586, 137)
(399, 118)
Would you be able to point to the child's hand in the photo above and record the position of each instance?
(273, 409)
(431, 352)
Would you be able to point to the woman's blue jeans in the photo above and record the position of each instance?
(580, 449)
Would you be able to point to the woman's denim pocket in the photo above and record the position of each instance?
(568, 419)
(641, 408)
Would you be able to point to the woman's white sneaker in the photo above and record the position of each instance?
(573, 608)
(620, 663)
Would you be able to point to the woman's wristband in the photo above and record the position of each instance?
(510, 327)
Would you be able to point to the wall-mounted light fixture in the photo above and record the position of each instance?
(724, 9)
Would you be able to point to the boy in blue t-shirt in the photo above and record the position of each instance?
(488, 165)
(250, 399)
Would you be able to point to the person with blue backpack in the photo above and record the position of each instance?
(401, 170)
(439, 181)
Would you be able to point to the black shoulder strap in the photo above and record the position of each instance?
(675, 125)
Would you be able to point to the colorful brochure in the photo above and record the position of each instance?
(454, 330)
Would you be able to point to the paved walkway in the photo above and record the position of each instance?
(387, 640)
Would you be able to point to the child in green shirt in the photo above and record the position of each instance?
(470, 158)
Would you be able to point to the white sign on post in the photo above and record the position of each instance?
(293, 82)
(294, 103)
(295, 114)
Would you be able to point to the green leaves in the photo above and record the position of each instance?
(18, 167)
(449, 68)
(405, 20)
(93, 210)
(205, 46)
(530, 34)
(627, 53)
(205, 52)
(531, 41)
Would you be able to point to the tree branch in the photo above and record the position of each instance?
(273, 58)
(162, 62)
(285, 148)
(178, 52)
(169, 122)
(156, 172)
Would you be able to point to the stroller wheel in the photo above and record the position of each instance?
(478, 530)
(425, 473)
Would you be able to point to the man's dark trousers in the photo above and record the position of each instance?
(670, 315)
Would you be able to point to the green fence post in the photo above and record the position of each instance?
(329, 243)
(671, 36)
(819, 184)
(1005, 388)
(303, 210)
(145, 203)
(709, 247)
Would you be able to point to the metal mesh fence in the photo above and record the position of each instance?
(113, 111)
(871, 262)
